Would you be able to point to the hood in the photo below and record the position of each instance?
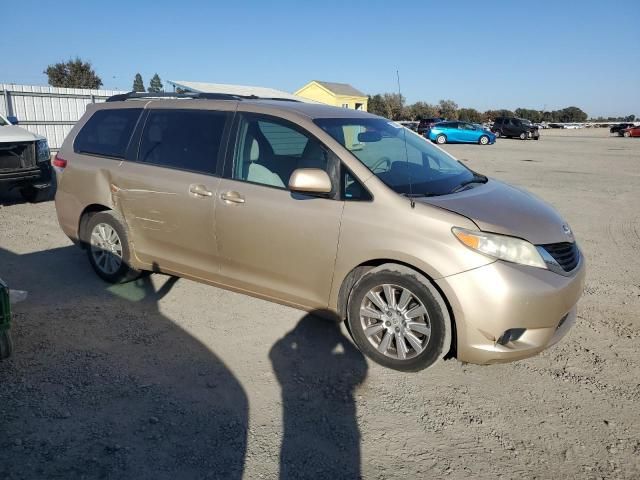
(500, 208)
(13, 133)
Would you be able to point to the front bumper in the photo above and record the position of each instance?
(492, 299)
(39, 176)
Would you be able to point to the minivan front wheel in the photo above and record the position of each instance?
(108, 248)
(398, 319)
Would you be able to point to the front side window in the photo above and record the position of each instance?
(183, 139)
(403, 160)
(268, 150)
(107, 132)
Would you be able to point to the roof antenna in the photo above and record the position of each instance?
(406, 151)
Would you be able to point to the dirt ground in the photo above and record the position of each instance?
(173, 379)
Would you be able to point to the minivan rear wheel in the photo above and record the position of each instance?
(398, 319)
(108, 248)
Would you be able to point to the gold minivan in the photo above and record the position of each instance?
(321, 208)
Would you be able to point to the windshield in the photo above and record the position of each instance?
(413, 167)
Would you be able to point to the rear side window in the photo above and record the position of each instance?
(183, 139)
(107, 132)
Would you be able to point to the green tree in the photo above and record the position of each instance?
(533, 115)
(375, 105)
(491, 115)
(73, 74)
(470, 115)
(571, 114)
(420, 110)
(155, 85)
(393, 105)
(448, 109)
(138, 84)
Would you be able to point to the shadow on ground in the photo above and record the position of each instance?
(103, 385)
(318, 370)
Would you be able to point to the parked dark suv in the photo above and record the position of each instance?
(515, 127)
(426, 123)
(25, 162)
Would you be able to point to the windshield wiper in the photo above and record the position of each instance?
(418, 195)
(477, 178)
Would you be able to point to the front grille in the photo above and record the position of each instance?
(566, 254)
(17, 156)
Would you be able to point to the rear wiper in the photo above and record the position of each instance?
(477, 178)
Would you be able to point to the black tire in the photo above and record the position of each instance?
(439, 342)
(498, 133)
(6, 344)
(441, 139)
(124, 273)
(483, 140)
(537, 138)
(523, 136)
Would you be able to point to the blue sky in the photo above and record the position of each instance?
(480, 54)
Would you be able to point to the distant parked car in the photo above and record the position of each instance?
(25, 162)
(515, 127)
(619, 128)
(460, 132)
(426, 123)
(411, 125)
(631, 131)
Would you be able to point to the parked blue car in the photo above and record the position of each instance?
(460, 132)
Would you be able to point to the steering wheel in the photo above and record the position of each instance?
(383, 160)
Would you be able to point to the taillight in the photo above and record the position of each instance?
(59, 162)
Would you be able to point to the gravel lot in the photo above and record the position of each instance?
(173, 379)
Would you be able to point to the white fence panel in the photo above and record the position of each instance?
(48, 111)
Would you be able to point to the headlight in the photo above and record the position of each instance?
(506, 248)
(42, 151)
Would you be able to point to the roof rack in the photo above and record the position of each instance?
(192, 95)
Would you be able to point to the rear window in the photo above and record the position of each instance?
(183, 139)
(107, 132)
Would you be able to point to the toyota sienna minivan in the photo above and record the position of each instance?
(324, 209)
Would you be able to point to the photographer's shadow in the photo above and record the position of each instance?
(318, 369)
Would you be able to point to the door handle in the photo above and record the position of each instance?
(200, 191)
(232, 197)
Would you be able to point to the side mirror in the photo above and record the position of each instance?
(310, 180)
(13, 120)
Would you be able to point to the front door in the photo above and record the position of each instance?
(167, 196)
(271, 241)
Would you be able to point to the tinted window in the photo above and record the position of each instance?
(283, 140)
(183, 139)
(268, 151)
(107, 132)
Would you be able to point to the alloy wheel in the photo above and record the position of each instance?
(106, 248)
(395, 321)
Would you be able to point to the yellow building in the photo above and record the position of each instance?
(336, 94)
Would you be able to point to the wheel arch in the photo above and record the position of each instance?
(84, 220)
(356, 273)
